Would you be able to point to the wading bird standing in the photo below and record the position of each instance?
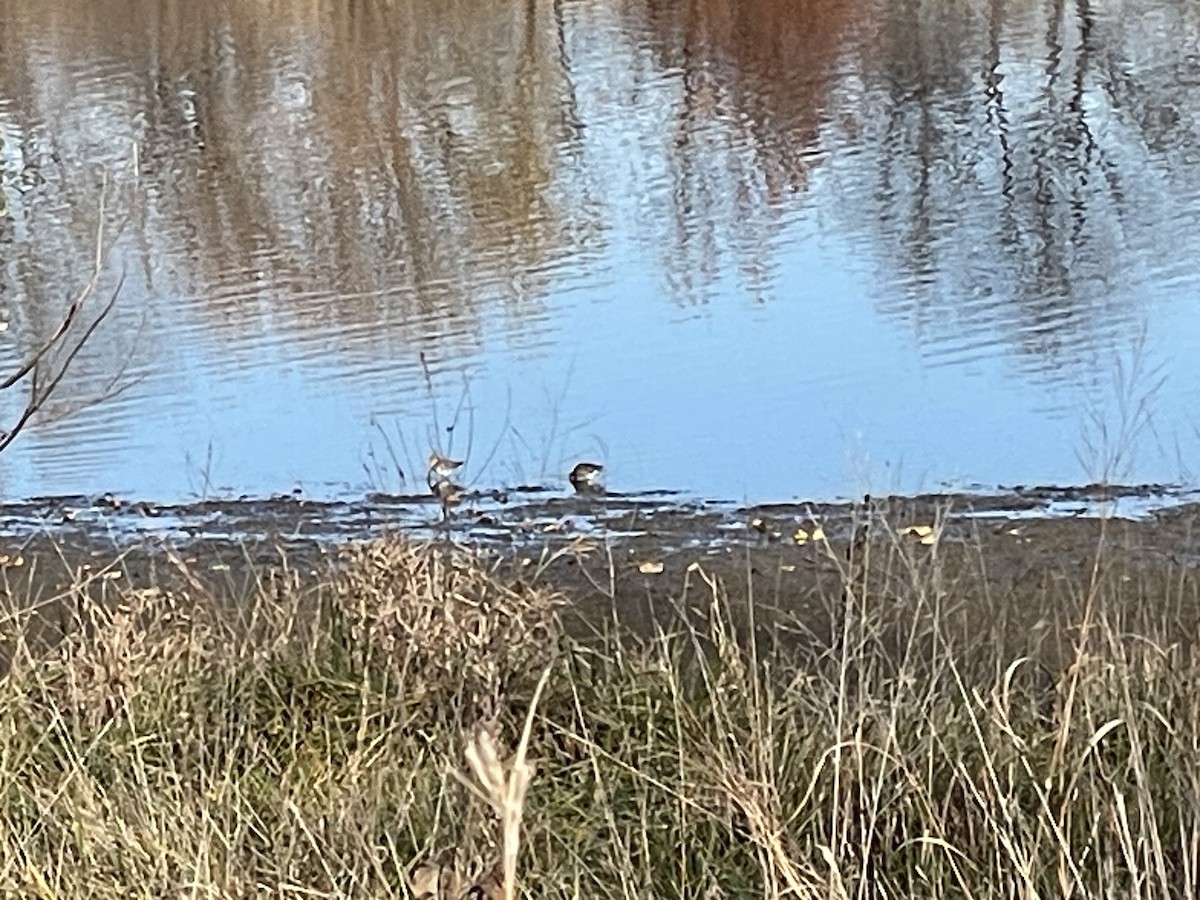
(440, 482)
(441, 467)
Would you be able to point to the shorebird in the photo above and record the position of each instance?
(440, 482)
(585, 477)
(441, 468)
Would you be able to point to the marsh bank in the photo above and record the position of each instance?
(1003, 563)
(258, 700)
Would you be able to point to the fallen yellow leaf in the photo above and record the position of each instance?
(923, 533)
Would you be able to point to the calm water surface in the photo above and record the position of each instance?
(746, 251)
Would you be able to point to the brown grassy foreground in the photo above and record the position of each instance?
(352, 737)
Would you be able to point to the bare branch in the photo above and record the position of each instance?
(42, 385)
(73, 309)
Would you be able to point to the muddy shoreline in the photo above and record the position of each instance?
(1005, 558)
(530, 514)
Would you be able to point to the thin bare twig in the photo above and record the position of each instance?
(41, 386)
(38, 398)
(73, 309)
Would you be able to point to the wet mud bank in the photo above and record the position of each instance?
(1020, 567)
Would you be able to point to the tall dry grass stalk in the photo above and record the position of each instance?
(503, 786)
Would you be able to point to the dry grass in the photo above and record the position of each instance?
(345, 739)
(444, 625)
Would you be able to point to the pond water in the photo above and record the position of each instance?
(749, 252)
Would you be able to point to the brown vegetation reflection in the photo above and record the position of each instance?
(755, 87)
(1011, 167)
(765, 66)
(366, 177)
(349, 166)
(1024, 163)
